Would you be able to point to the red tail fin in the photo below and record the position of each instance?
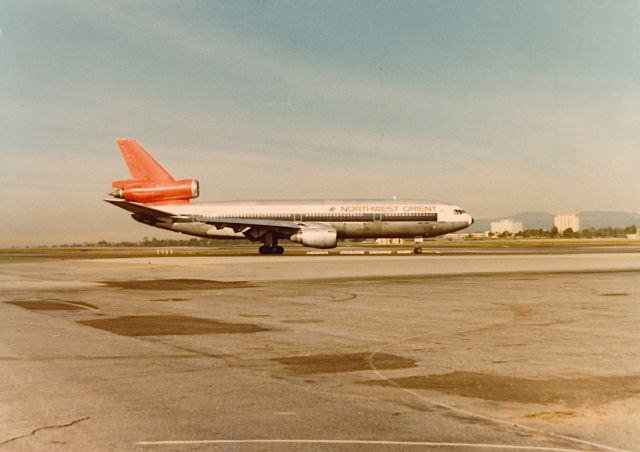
(151, 183)
(140, 163)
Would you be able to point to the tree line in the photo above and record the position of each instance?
(151, 243)
(569, 233)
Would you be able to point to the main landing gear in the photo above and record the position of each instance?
(270, 244)
(268, 249)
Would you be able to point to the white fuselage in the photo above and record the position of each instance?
(356, 219)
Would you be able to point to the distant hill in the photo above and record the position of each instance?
(602, 219)
(534, 220)
(544, 220)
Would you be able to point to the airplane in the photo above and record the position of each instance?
(155, 198)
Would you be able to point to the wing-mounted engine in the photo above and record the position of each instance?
(156, 192)
(316, 236)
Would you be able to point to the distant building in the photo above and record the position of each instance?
(513, 227)
(564, 221)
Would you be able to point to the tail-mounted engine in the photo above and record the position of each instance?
(156, 192)
(151, 183)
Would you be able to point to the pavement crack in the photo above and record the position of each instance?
(46, 427)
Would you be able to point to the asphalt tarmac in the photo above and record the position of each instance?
(353, 353)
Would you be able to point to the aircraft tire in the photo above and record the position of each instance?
(417, 250)
(266, 249)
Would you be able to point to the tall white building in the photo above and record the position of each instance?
(564, 221)
(498, 227)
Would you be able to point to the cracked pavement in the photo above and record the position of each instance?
(396, 350)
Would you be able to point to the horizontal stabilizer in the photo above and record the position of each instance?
(146, 211)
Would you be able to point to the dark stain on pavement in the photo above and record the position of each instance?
(165, 325)
(568, 391)
(176, 284)
(302, 321)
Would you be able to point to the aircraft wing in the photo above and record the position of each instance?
(239, 224)
(142, 210)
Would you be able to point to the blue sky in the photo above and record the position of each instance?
(498, 106)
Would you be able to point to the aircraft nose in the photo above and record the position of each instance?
(470, 220)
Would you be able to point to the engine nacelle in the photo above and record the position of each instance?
(142, 191)
(316, 236)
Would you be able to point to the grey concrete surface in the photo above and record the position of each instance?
(322, 353)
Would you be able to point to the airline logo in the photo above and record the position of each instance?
(413, 208)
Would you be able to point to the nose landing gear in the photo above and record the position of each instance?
(417, 249)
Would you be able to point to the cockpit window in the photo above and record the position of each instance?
(458, 211)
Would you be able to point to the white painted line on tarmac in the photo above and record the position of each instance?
(352, 252)
(405, 251)
(355, 441)
(77, 305)
(317, 252)
(380, 252)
